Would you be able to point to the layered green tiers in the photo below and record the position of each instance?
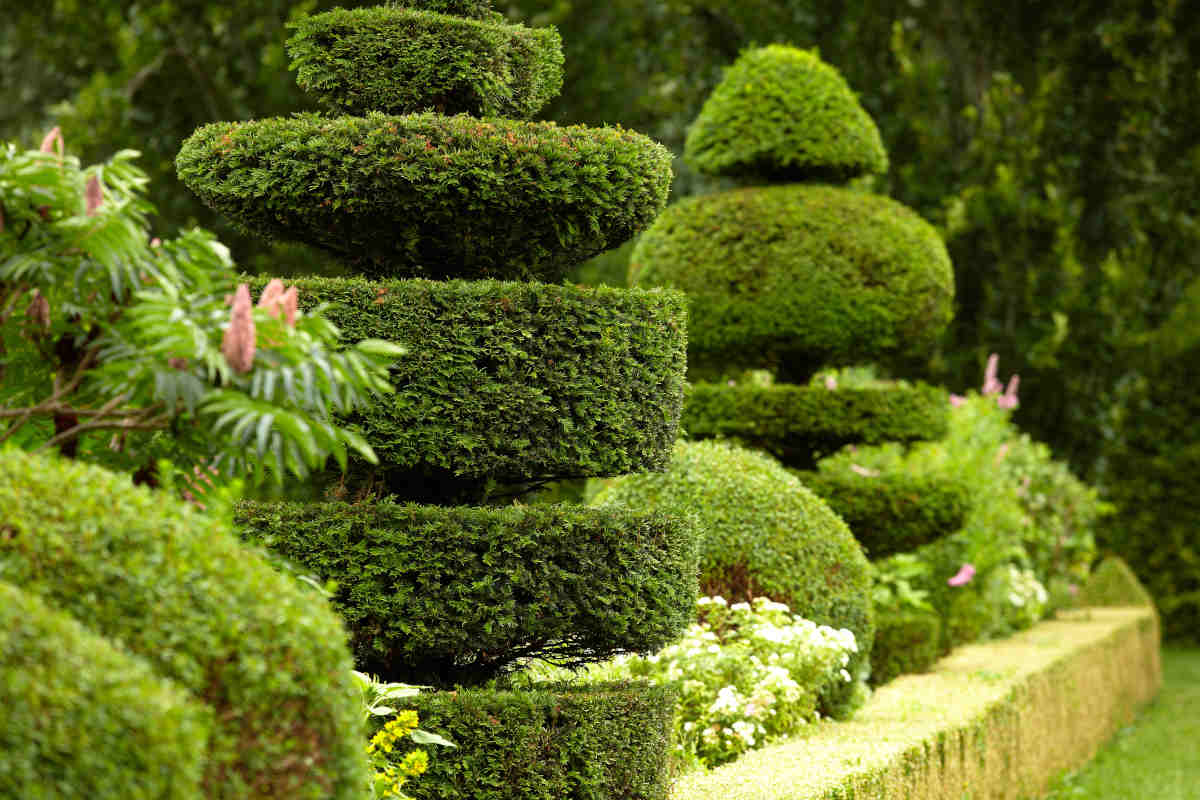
(432, 196)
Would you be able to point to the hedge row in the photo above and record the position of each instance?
(432, 196)
(906, 643)
(794, 278)
(176, 588)
(401, 61)
(551, 742)
(797, 423)
(81, 718)
(783, 114)
(893, 512)
(514, 381)
(448, 596)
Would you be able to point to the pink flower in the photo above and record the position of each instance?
(831, 382)
(957, 400)
(94, 194)
(963, 576)
(1002, 452)
(53, 141)
(990, 384)
(1009, 398)
(866, 472)
(238, 343)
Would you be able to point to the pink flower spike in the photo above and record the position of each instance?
(1002, 452)
(957, 400)
(963, 577)
(290, 302)
(53, 141)
(831, 382)
(990, 384)
(269, 299)
(238, 344)
(94, 194)
(1009, 398)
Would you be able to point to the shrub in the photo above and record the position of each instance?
(792, 278)
(761, 534)
(176, 588)
(782, 113)
(379, 59)
(548, 742)
(905, 642)
(1113, 583)
(83, 718)
(456, 595)
(432, 196)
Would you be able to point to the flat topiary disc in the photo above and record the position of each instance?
(783, 113)
(432, 196)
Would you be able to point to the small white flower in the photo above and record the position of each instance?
(845, 675)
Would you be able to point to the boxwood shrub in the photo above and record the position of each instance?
(432, 196)
(761, 534)
(793, 278)
(82, 718)
(401, 60)
(893, 512)
(782, 113)
(456, 595)
(514, 380)
(550, 742)
(1113, 583)
(797, 424)
(905, 642)
(175, 587)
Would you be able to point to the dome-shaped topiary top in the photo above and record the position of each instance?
(478, 9)
(782, 113)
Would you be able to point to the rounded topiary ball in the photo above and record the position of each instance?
(762, 533)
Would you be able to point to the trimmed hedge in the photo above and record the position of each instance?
(81, 718)
(551, 742)
(175, 587)
(762, 534)
(783, 114)
(794, 278)
(400, 61)
(894, 512)
(448, 596)
(906, 643)
(476, 9)
(514, 381)
(432, 196)
(797, 424)
(1113, 583)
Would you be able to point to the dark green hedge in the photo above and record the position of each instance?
(893, 512)
(176, 588)
(906, 642)
(476, 9)
(514, 380)
(400, 61)
(782, 113)
(798, 423)
(449, 596)
(554, 742)
(81, 718)
(432, 196)
(794, 278)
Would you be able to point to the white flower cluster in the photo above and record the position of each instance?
(1021, 592)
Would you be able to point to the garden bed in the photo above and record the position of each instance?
(994, 720)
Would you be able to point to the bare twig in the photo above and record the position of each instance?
(143, 420)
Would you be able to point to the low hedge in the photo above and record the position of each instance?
(894, 512)
(552, 742)
(782, 113)
(401, 60)
(513, 381)
(448, 596)
(794, 278)
(906, 642)
(797, 424)
(175, 587)
(84, 719)
(432, 196)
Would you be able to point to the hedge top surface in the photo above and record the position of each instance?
(476, 9)
(175, 587)
(400, 60)
(782, 113)
(427, 195)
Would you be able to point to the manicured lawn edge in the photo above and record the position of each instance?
(993, 720)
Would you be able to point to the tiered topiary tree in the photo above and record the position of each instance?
(509, 382)
(793, 275)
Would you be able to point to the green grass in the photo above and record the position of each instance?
(1158, 756)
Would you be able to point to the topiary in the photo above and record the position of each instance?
(905, 642)
(1113, 583)
(176, 589)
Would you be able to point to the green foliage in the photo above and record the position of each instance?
(515, 381)
(175, 587)
(1113, 583)
(548, 742)
(82, 717)
(761, 534)
(893, 512)
(793, 278)
(475, 9)
(401, 61)
(783, 114)
(798, 423)
(432, 196)
(905, 642)
(456, 595)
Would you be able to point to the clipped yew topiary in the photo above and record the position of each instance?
(1113, 583)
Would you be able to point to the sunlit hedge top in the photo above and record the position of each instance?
(784, 114)
(477, 9)
(401, 60)
(431, 196)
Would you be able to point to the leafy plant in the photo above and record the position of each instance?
(893, 588)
